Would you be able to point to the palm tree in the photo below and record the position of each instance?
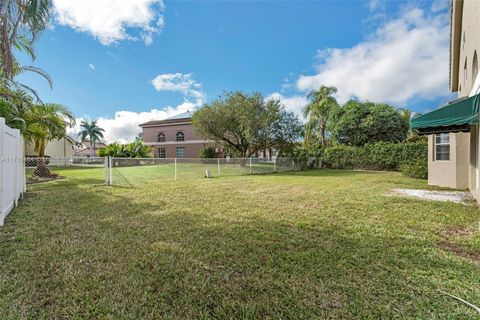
(407, 116)
(318, 111)
(46, 122)
(90, 132)
(21, 22)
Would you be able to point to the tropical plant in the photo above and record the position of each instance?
(136, 149)
(21, 22)
(90, 132)
(317, 112)
(46, 122)
(245, 124)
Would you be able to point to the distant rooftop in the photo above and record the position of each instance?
(180, 116)
(183, 115)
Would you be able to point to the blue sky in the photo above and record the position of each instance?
(125, 62)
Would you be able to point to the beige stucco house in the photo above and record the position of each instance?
(453, 130)
(58, 148)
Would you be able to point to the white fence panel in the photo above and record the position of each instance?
(12, 169)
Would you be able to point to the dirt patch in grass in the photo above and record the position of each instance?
(447, 242)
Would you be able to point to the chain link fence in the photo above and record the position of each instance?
(81, 170)
(132, 171)
(136, 171)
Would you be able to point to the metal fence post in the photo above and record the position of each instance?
(175, 169)
(250, 165)
(105, 163)
(110, 180)
(218, 166)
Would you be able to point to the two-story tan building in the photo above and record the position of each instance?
(453, 130)
(175, 137)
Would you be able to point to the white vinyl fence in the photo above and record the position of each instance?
(12, 169)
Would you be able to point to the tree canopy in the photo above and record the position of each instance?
(318, 112)
(357, 123)
(246, 123)
(136, 149)
(91, 132)
(20, 24)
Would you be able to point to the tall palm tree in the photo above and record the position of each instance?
(90, 132)
(318, 111)
(21, 22)
(46, 122)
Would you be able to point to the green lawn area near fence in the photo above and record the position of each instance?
(309, 244)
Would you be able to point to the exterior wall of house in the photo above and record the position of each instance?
(56, 148)
(469, 47)
(454, 172)
(192, 144)
(192, 150)
(462, 170)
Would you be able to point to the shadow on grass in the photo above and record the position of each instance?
(328, 173)
(78, 251)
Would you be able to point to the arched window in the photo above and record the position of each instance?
(180, 136)
(160, 137)
(474, 66)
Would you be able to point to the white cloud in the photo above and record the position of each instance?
(374, 5)
(91, 66)
(180, 82)
(109, 20)
(123, 126)
(440, 5)
(406, 58)
(294, 104)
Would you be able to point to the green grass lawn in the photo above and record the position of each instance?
(316, 244)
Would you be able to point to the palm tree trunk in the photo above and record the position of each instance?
(323, 135)
(42, 169)
(91, 148)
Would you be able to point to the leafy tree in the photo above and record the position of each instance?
(247, 123)
(136, 149)
(357, 123)
(207, 152)
(90, 132)
(317, 112)
(21, 22)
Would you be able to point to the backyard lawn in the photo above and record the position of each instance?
(313, 244)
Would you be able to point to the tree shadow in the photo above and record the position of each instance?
(78, 250)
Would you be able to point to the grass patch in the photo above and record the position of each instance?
(313, 244)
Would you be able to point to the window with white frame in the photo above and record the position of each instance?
(180, 136)
(160, 137)
(442, 147)
(180, 152)
(161, 153)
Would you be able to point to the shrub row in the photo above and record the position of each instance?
(410, 158)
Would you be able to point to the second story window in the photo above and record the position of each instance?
(160, 137)
(180, 136)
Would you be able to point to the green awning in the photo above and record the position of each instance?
(456, 116)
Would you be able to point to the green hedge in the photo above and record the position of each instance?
(378, 156)
(416, 169)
